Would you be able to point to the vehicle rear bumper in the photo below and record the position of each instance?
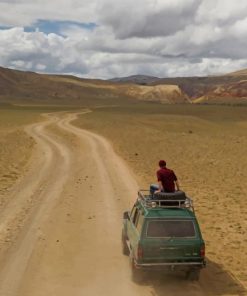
(170, 265)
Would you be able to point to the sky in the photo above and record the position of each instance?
(116, 38)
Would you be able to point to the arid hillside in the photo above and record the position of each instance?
(226, 89)
(166, 94)
(226, 94)
(238, 73)
(26, 87)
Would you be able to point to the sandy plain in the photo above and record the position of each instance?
(60, 229)
(207, 148)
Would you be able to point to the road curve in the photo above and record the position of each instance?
(64, 217)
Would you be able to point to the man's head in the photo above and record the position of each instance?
(162, 163)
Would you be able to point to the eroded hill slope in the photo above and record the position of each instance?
(27, 87)
(225, 89)
(232, 93)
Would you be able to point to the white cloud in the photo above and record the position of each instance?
(239, 29)
(154, 37)
(27, 12)
(39, 51)
(221, 11)
(147, 18)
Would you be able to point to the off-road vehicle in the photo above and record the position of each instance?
(162, 232)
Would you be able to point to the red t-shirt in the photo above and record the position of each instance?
(167, 178)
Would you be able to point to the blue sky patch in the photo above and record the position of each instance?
(5, 27)
(57, 27)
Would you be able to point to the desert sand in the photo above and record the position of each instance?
(206, 146)
(60, 229)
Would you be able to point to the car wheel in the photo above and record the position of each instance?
(136, 274)
(125, 248)
(193, 274)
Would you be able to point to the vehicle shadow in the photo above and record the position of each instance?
(214, 280)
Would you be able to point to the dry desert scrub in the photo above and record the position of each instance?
(15, 150)
(15, 145)
(207, 148)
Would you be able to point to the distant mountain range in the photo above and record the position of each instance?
(138, 79)
(32, 88)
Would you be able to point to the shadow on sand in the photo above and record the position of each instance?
(214, 280)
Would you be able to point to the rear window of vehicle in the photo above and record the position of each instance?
(170, 228)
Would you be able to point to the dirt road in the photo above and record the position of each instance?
(60, 231)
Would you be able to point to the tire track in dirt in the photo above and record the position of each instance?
(40, 184)
(70, 243)
(214, 281)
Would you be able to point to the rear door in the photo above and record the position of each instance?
(171, 240)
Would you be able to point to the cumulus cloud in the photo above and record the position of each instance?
(153, 37)
(39, 52)
(147, 18)
(221, 12)
(27, 12)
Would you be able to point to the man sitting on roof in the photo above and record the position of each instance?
(166, 178)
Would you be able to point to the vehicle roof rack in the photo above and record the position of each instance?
(151, 201)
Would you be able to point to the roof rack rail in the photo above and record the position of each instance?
(150, 201)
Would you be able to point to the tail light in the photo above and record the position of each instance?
(202, 251)
(139, 252)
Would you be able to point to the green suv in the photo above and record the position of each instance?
(162, 232)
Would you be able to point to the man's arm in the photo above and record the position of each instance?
(176, 181)
(160, 186)
(177, 185)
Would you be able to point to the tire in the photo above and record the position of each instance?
(136, 274)
(177, 195)
(193, 275)
(125, 248)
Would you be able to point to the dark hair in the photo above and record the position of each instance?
(162, 163)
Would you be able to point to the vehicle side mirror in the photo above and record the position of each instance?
(126, 215)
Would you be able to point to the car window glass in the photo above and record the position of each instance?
(168, 228)
(140, 223)
(132, 213)
(135, 216)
